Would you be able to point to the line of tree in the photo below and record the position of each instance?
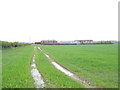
(6, 44)
(103, 42)
(58, 44)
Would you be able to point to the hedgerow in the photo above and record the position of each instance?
(6, 44)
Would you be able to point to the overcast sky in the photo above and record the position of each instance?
(35, 20)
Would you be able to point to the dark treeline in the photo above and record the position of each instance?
(6, 44)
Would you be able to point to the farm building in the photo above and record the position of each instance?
(37, 42)
(48, 41)
(83, 41)
(78, 41)
(66, 41)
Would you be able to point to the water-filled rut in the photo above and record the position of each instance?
(68, 73)
(38, 79)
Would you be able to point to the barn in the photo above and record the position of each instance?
(84, 41)
(48, 41)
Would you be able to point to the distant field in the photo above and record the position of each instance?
(16, 67)
(96, 63)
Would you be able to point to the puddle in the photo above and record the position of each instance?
(33, 60)
(39, 48)
(69, 73)
(62, 69)
(36, 75)
(37, 78)
(46, 55)
(33, 65)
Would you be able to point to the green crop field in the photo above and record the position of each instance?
(96, 63)
(16, 67)
(16, 70)
(53, 77)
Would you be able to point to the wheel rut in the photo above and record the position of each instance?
(38, 79)
(86, 83)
